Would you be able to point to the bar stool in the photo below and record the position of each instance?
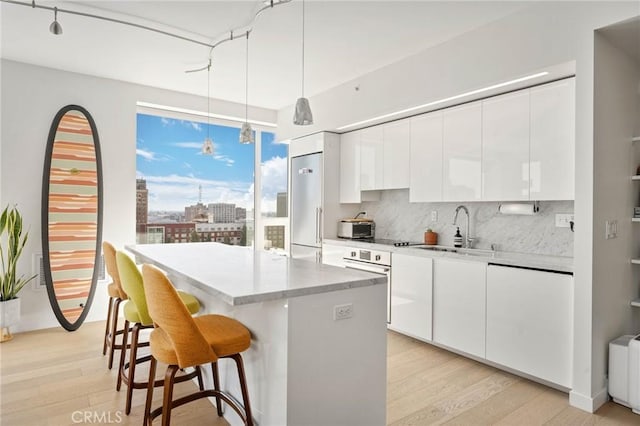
(116, 296)
(180, 341)
(136, 313)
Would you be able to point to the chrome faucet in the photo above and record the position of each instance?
(467, 239)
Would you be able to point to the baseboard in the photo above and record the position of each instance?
(587, 403)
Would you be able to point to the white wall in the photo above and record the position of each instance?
(31, 96)
(545, 34)
(615, 279)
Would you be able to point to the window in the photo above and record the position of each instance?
(273, 188)
(176, 184)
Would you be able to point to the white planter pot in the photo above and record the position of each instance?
(9, 316)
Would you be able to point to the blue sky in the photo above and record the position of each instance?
(169, 158)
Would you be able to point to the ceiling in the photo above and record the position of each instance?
(343, 40)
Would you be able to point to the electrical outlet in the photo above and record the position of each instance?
(563, 220)
(611, 229)
(341, 312)
(434, 215)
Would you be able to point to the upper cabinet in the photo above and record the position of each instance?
(552, 150)
(350, 167)
(462, 153)
(396, 138)
(505, 147)
(425, 182)
(371, 158)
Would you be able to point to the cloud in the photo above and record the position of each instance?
(281, 142)
(194, 145)
(147, 155)
(225, 159)
(167, 122)
(273, 180)
(196, 126)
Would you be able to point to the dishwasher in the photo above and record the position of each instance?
(375, 261)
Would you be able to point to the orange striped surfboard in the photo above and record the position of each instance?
(72, 214)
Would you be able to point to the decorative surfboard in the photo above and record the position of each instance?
(72, 214)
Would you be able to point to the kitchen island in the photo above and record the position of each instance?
(306, 365)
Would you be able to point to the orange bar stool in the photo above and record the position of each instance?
(180, 341)
(136, 313)
(116, 296)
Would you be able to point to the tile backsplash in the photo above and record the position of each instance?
(396, 218)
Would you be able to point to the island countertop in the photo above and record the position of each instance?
(239, 275)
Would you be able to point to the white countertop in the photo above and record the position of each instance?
(526, 260)
(240, 275)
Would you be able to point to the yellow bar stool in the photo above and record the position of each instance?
(136, 313)
(116, 296)
(180, 341)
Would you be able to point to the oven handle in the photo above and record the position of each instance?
(362, 266)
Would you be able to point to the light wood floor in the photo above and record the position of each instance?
(52, 377)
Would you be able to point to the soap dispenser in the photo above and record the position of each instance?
(457, 238)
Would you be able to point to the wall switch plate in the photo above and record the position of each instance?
(341, 312)
(563, 220)
(611, 229)
(434, 215)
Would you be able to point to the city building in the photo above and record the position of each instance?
(196, 213)
(274, 236)
(159, 233)
(222, 212)
(229, 233)
(281, 204)
(241, 213)
(142, 204)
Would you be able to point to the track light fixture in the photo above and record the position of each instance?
(55, 27)
(302, 115)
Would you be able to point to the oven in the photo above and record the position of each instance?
(375, 261)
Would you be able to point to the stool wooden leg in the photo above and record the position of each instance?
(167, 400)
(243, 386)
(200, 381)
(122, 354)
(114, 328)
(133, 355)
(106, 327)
(152, 377)
(216, 386)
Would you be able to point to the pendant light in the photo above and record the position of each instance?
(246, 132)
(302, 115)
(207, 145)
(55, 27)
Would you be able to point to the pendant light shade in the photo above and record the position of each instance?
(246, 132)
(207, 145)
(55, 27)
(302, 115)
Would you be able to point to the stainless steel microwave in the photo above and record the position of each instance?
(356, 230)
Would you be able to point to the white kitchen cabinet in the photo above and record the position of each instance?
(411, 295)
(530, 322)
(396, 146)
(371, 158)
(505, 147)
(333, 254)
(459, 305)
(552, 141)
(350, 167)
(462, 153)
(425, 183)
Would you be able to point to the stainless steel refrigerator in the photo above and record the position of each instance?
(306, 207)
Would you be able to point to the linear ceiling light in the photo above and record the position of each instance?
(440, 101)
(204, 114)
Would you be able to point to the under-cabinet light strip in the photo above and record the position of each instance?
(204, 114)
(451, 98)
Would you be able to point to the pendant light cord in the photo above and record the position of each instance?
(303, 48)
(208, 96)
(246, 83)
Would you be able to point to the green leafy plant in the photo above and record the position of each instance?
(12, 242)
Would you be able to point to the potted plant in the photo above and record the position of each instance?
(12, 242)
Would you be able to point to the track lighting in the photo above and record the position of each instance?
(55, 27)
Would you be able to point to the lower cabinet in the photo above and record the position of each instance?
(530, 322)
(459, 305)
(411, 295)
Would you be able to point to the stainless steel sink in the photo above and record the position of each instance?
(462, 251)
